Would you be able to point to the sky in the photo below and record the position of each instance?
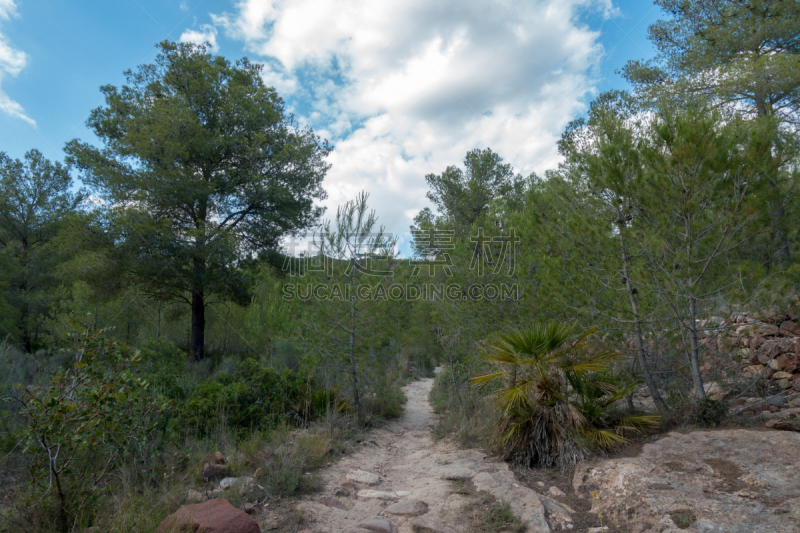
(401, 88)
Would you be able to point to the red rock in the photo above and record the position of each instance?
(789, 329)
(756, 342)
(213, 516)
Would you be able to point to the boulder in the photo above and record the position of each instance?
(213, 516)
(366, 478)
(378, 525)
(723, 479)
(555, 492)
(408, 508)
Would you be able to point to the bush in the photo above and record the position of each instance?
(79, 428)
(255, 398)
(557, 396)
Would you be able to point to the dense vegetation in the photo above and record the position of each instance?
(153, 318)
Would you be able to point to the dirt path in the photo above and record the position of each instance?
(411, 467)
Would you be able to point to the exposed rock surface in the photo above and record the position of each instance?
(378, 525)
(213, 516)
(736, 481)
(418, 474)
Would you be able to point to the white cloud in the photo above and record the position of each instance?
(11, 63)
(407, 87)
(184, 6)
(204, 34)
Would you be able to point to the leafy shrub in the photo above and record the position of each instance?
(255, 398)
(79, 428)
(709, 412)
(557, 396)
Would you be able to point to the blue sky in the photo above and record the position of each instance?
(402, 88)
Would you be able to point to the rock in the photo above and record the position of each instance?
(789, 329)
(705, 474)
(781, 375)
(597, 529)
(423, 525)
(555, 492)
(408, 508)
(213, 471)
(792, 412)
(756, 342)
(782, 425)
(524, 502)
(195, 496)
(213, 516)
(333, 502)
(377, 495)
(753, 370)
(366, 478)
(242, 484)
(341, 491)
(378, 525)
(757, 329)
(249, 508)
(780, 401)
(558, 515)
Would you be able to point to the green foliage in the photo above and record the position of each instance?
(255, 398)
(709, 412)
(557, 395)
(83, 425)
(209, 169)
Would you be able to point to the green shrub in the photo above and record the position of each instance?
(709, 412)
(557, 396)
(77, 430)
(255, 398)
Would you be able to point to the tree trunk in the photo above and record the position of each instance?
(197, 338)
(780, 241)
(694, 356)
(637, 324)
(353, 366)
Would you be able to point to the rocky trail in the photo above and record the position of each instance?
(399, 480)
(402, 481)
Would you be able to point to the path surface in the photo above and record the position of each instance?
(412, 467)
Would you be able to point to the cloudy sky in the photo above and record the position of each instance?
(401, 88)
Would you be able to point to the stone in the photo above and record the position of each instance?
(597, 529)
(780, 401)
(703, 471)
(213, 516)
(195, 496)
(789, 329)
(756, 342)
(213, 471)
(243, 483)
(378, 525)
(377, 495)
(249, 508)
(365, 478)
(423, 525)
(781, 375)
(341, 491)
(555, 492)
(558, 515)
(782, 425)
(525, 503)
(333, 502)
(408, 508)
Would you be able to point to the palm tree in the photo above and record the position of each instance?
(557, 393)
